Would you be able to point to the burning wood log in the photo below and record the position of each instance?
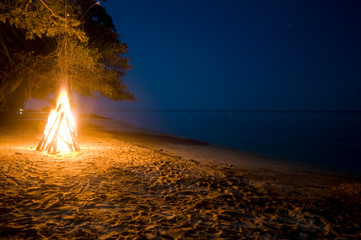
(59, 134)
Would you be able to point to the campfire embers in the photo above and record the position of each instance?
(59, 134)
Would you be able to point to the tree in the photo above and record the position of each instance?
(44, 43)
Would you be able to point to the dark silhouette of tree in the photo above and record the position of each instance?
(46, 43)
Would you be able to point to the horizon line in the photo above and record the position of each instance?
(213, 110)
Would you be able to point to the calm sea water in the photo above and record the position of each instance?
(331, 139)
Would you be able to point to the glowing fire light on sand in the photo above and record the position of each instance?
(59, 134)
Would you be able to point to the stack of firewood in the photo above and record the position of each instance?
(52, 136)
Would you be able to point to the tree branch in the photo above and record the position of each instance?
(52, 13)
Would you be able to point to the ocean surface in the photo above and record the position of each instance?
(331, 139)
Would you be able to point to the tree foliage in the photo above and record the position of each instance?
(44, 43)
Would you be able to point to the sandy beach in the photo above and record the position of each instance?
(136, 184)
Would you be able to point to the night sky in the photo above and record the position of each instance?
(235, 54)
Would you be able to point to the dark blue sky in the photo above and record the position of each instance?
(263, 55)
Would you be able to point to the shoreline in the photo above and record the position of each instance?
(110, 124)
(136, 185)
(205, 150)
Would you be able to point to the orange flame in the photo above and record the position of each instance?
(59, 134)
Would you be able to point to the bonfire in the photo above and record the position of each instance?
(59, 134)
